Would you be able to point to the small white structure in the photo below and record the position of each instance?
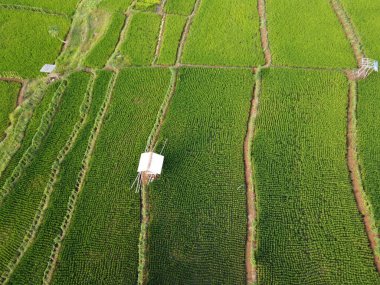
(367, 67)
(151, 163)
(48, 68)
(150, 167)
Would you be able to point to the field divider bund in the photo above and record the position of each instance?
(55, 171)
(160, 39)
(261, 8)
(28, 156)
(56, 248)
(250, 261)
(144, 195)
(362, 201)
(349, 30)
(186, 31)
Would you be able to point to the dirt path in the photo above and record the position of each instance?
(251, 198)
(161, 8)
(160, 39)
(349, 30)
(353, 166)
(185, 32)
(261, 7)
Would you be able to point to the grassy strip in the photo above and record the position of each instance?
(225, 33)
(173, 29)
(141, 39)
(106, 198)
(314, 36)
(32, 266)
(309, 229)
(32, 9)
(180, 7)
(19, 207)
(65, 8)
(103, 50)
(8, 102)
(21, 136)
(197, 230)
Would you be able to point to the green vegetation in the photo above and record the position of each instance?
(180, 7)
(307, 33)
(8, 101)
(198, 219)
(30, 131)
(368, 117)
(66, 6)
(141, 40)
(23, 200)
(31, 269)
(309, 228)
(106, 221)
(365, 17)
(225, 33)
(148, 5)
(112, 5)
(104, 49)
(173, 29)
(26, 45)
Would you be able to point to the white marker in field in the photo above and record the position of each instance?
(367, 66)
(48, 68)
(150, 168)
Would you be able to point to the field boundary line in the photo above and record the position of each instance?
(160, 39)
(261, 8)
(111, 63)
(161, 8)
(52, 262)
(185, 32)
(250, 263)
(32, 9)
(144, 194)
(362, 201)
(349, 30)
(38, 137)
(54, 174)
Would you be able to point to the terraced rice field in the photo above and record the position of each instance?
(271, 145)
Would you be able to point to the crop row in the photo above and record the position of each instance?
(32, 266)
(8, 101)
(307, 34)
(19, 207)
(309, 230)
(102, 243)
(198, 209)
(179, 7)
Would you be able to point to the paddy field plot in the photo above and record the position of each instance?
(309, 229)
(8, 101)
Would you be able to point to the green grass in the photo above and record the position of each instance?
(101, 246)
(66, 6)
(30, 131)
(31, 269)
(179, 7)
(198, 218)
(307, 33)
(225, 33)
(309, 228)
(20, 205)
(26, 44)
(364, 15)
(368, 117)
(103, 50)
(173, 29)
(141, 39)
(8, 102)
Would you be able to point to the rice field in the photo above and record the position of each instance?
(270, 142)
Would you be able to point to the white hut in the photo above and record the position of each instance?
(48, 68)
(150, 166)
